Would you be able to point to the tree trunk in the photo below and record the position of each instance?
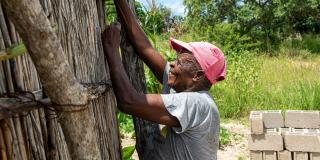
(147, 133)
(72, 36)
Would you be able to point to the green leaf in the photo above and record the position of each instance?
(127, 152)
(12, 52)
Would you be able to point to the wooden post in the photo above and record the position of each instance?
(147, 132)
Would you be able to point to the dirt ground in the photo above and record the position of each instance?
(236, 150)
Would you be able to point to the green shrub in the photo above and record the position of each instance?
(229, 39)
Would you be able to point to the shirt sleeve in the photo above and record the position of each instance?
(187, 108)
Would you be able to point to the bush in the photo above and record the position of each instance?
(227, 37)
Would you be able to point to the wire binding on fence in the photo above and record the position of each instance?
(23, 101)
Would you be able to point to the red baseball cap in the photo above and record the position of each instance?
(210, 58)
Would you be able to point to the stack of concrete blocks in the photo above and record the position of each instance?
(294, 137)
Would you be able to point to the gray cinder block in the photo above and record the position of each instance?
(256, 122)
(304, 140)
(273, 119)
(300, 156)
(256, 155)
(271, 140)
(302, 119)
(284, 130)
(284, 155)
(269, 155)
(314, 156)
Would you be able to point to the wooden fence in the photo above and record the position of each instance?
(29, 127)
(28, 130)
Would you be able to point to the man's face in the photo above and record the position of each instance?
(181, 72)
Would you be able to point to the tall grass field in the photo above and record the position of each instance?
(268, 83)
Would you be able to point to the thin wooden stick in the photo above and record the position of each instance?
(16, 148)
(33, 145)
(20, 139)
(4, 29)
(7, 43)
(7, 138)
(43, 125)
(24, 127)
(2, 146)
(37, 133)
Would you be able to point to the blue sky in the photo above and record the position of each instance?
(176, 6)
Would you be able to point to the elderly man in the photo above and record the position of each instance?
(185, 107)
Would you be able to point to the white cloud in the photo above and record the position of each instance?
(177, 8)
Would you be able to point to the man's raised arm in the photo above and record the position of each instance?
(139, 40)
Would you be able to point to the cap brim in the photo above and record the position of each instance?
(179, 45)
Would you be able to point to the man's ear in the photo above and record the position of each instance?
(197, 76)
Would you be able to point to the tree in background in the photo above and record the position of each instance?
(263, 23)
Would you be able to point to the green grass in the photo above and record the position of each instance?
(268, 83)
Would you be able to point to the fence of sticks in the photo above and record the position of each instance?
(28, 126)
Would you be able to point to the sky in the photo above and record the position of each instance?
(176, 6)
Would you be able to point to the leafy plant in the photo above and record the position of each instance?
(127, 152)
(126, 123)
(224, 138)
(154, 18)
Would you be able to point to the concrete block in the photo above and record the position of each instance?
(300, 156)
(303, 140)
(256, 155)
(269, 155)
(314, 156)
(302, 119)
(284, 130)
(271, 140)
(284, 155)
(256, 122)
(273, 119)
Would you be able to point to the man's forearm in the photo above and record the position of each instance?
(123, 89)
(136, 34)
(140, 41)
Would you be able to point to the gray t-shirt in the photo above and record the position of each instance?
(198, 136)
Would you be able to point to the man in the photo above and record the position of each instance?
(185, 107)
